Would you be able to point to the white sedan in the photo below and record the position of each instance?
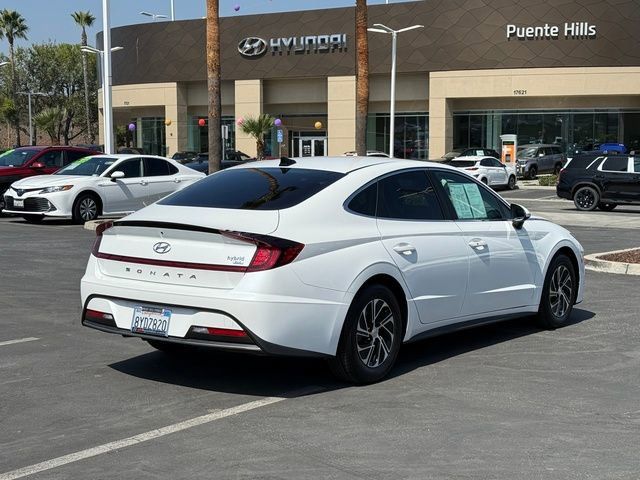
(488, 170)
(98, 185)
(342, 258)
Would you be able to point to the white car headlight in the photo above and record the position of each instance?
(59, 188)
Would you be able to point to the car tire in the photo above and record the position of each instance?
(86, 208)
(33, 218)
(371, 337)
(559, 293)
(586, 198)
(532, 173)
(607, 207)
(511, 184)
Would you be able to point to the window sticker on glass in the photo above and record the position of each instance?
(77, 163)
(475, 200)
(467, 200)
(460, 202)
(479, 153)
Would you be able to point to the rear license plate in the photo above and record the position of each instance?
(18, 203)
(151, 320)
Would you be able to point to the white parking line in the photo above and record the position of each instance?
(144, 437)
(19, 340)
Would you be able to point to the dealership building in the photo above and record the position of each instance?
(559, 71)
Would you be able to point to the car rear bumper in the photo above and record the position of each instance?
(306, 321)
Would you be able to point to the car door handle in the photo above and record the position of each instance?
(144, 182)
(477, 244)
(404, 249)
(177, 180)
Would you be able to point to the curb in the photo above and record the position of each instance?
(596, 264)
(93, 224)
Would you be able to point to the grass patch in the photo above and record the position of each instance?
(548, 180)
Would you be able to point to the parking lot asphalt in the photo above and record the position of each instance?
(504, 401)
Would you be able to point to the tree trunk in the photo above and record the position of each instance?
(362, 77)
(14, 85)
(213, 85)
(90, 136)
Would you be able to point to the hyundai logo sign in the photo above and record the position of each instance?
(252, 47)
(162, 248)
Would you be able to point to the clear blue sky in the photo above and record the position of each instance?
(50, 19)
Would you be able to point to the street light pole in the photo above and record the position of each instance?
(173, 12)
(100, 53)
(29, 95)
(380, 28)
(106, 80)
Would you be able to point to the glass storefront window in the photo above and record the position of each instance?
(153, 136)
(199, 136)
(573, 129)
(411, 135)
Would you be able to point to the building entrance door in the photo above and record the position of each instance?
(312, 146)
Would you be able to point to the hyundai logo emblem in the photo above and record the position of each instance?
(252, 47)
(162, 248)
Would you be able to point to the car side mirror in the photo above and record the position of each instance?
(38, 165)
(519, 215)
(116, 175)
(541, 154)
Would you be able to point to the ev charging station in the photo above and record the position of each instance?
(509, 148)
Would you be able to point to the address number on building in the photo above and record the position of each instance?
(519, 92)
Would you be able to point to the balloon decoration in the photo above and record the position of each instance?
(239, 121)
(318, 125)
(202, 122)
(132, 127)
(167, 122)
(236, 7)
(277, 122)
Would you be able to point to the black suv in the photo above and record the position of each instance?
(600, 181)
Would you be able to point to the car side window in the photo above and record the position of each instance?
(52, 158)
(615, 164)
(130, 168)
(470, 201)
(155, 167)
(485, 162)
(494, 163)
(408, 196)
(636, 165)
(365, 201)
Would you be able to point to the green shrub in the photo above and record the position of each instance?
(548, 180)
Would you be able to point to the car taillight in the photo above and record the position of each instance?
(271, 252)
(100, 229)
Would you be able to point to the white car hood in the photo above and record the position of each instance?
(51, 181)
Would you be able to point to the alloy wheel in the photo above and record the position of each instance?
(88, 209)
(375, 333)
(560, 291)
(585, 198)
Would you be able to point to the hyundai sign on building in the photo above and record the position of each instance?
(546, 73)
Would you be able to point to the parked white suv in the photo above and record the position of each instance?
(488, 170)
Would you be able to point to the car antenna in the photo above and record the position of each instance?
(287, 162)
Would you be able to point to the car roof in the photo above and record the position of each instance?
(123, 156)
(471, 157)
(531, 145)
(341, 164)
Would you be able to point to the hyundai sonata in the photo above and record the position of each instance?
(343, 258)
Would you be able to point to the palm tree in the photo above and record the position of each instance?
(84, 20)
(258, 128)
(213, 85)
(362, 77)
(13, 26)
(50, 120)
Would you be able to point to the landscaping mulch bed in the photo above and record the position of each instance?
(632, 256)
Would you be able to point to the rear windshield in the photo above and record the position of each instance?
(462, 163)
(254, 188)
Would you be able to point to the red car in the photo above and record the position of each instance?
(28, 161)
